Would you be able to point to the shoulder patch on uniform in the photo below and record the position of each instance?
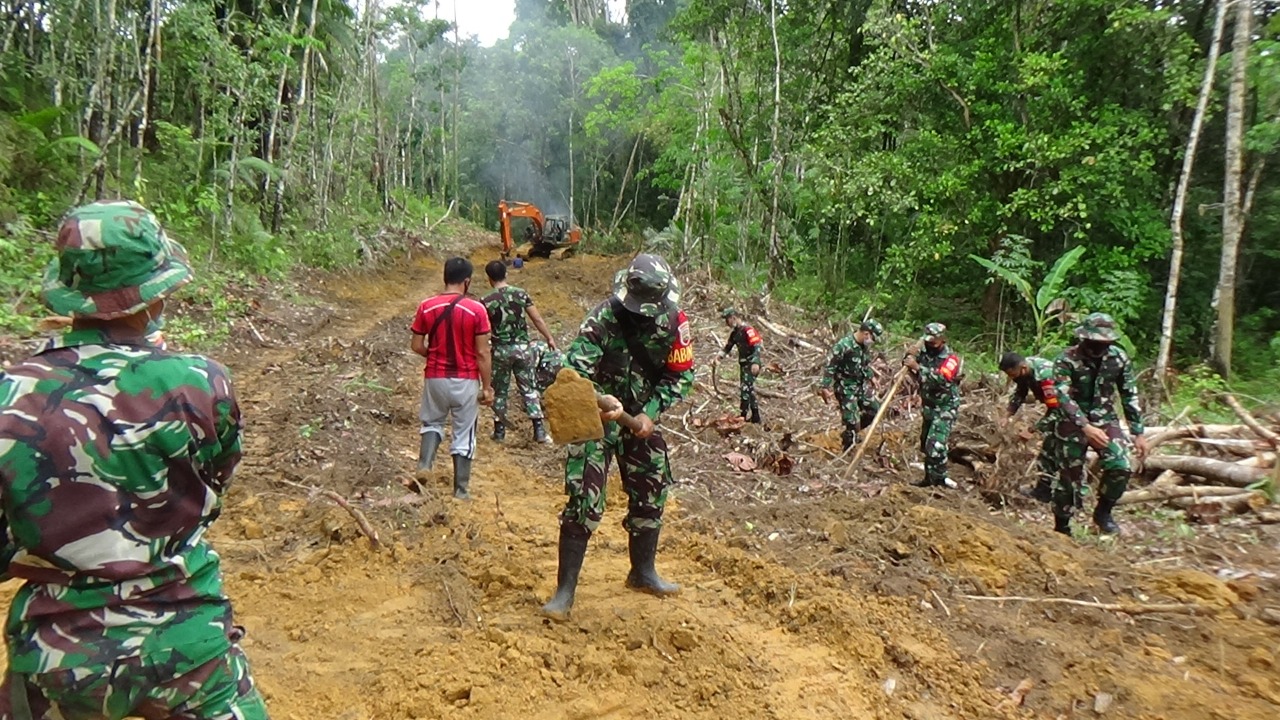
(753, 337)
(681, 356)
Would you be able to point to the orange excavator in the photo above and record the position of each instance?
(552, 236)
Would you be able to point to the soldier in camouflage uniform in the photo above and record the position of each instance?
(1096, 370)
(1035, 376)
(847, 379)
(114, 456)
(636, 348)
(747, 341)
(938, 370)
(507, 306)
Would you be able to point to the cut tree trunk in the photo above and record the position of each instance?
(1159, 494)
(1251, 422)
(1226, 473)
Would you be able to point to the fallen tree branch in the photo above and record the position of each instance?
(1169, 492)
(361, 520)
(790, 335)
(1250, 421)
(1128, 609)
(1241, 502)
(875, 422)
(1224, 472)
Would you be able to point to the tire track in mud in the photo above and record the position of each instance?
(446, 622)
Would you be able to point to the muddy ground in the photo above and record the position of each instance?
(805, 595)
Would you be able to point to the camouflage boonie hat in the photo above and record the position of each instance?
(113, 260)
(873, 327)
(647, 286)
(1099, 327)
(728, 312)
(933, 331)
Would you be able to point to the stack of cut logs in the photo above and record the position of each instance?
(1214, 470)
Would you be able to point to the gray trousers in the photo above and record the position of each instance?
(458, 398)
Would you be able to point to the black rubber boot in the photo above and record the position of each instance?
(848, 439)
(643, 548)
(1043, 490)
(461, 477)
(428, 443)
(499, 430)
(1102, 517)
(744, 410)
(1062, 520)
(755, 415)
(540, 431)
(573, 547)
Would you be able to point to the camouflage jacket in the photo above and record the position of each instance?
(940, 378)
(1094, 385)
(1041, 382)
(113, 457)
(506, 307)
(747, 341)
(650, 383)
(848, 365)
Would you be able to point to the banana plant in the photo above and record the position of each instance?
(1046, 302)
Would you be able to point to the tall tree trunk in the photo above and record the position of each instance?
(1180, 197)
(299, 107)
(777, 259)
(145, 77)
(1232, 215)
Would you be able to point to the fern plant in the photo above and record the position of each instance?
(1045, 302)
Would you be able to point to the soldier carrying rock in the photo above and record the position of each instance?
(636, 348)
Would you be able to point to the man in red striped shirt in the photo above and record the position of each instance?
(451, 331)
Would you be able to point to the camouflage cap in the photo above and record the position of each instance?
(647, 286)
(933, 331)
(873, 327)
(113, 260)
(1099, 327)
(728, 312)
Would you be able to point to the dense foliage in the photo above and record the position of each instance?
(841, 152)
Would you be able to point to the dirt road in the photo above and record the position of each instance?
(850, 612)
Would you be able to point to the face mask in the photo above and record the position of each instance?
(1093, 349)
(933, 349)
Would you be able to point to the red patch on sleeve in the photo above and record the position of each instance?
(681, 356)
(1050, 394)
(753, 337)
(950, 367)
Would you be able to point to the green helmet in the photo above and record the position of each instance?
(1099, 327)
(933, 331)
(647, 286)
(113, 261)
(728, 312)
(873, 327)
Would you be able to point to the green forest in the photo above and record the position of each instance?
(995, 165)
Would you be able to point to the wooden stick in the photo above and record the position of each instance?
(1249, 420)
(1175, 608)
(875, 422)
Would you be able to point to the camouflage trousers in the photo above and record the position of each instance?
(858, 406)
(747, 390)
(220, 689)
(1113, 462)
(935, 432)
(515, 360)
(645, 471)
